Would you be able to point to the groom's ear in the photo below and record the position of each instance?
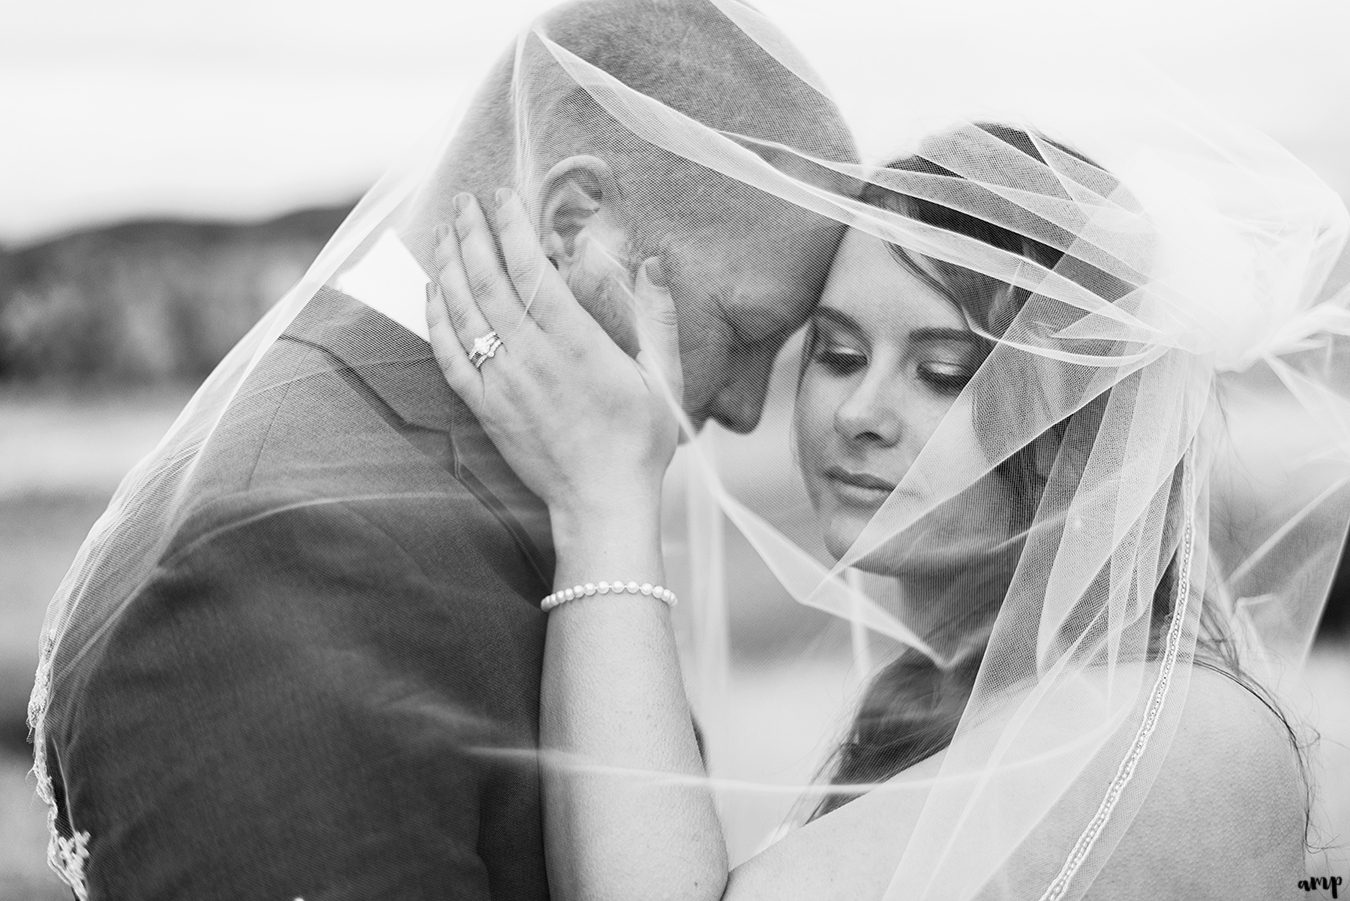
(580, 203)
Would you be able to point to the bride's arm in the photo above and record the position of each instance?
(627, 813)
(614, 720)
(613, 697)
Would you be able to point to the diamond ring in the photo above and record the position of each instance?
(484, 349)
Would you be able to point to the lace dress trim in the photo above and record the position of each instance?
(68, 857)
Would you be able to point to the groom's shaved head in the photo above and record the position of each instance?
(684, 54)
(689, 56)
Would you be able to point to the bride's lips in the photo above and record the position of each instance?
(859, 487)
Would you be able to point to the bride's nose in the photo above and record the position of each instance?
(871, 414)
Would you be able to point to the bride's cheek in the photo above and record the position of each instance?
(810, 422)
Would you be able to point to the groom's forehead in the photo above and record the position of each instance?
(717, 209)
(740, 241)
(759, 292)
(769, 242)
(773, 190)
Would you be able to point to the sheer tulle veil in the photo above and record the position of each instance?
(1157, 303)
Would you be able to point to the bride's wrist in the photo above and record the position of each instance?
(614, 498)
(623, 517)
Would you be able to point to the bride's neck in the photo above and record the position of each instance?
(951, 607)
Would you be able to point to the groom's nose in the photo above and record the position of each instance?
(740, 403)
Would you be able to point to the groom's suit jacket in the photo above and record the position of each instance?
(328, 688)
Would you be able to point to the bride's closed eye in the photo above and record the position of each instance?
(839, 359)
(835, 349)
(945, 376)
(945, 369)
(945, 359)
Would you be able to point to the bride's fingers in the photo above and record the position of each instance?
(538, 285)
(658, 328)
(463, 376)
(463, 315)
(488, 283)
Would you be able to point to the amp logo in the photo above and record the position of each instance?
(1321, 883)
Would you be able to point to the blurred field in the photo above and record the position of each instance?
(62, 454)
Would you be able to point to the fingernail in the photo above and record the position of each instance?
(431, 292)
(440, 233)
(656, 273)
(502, 196)
(462, 201)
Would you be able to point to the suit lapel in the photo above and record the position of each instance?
(398, 371)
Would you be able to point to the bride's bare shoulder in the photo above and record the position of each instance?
(1226, 815)
(1224, 818)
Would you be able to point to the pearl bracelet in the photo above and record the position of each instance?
(594, 588)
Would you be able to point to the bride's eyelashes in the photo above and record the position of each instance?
(832, 350)
(941, 359)
(946, 377)
(840, 360)
(943, 375)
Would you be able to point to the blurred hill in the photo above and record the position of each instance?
(147, 301)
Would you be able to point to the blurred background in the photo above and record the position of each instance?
(169, 169)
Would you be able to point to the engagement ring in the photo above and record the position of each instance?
(484, 349)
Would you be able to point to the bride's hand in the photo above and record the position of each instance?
(586, 427)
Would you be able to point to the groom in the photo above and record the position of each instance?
(325, 687)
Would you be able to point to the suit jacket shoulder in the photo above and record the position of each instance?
(328, 684)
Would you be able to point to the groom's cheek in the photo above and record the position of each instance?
(608, 297)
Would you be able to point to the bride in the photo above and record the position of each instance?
(1004, 414)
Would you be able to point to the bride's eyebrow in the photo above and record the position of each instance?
(830, 314)
(943, 334)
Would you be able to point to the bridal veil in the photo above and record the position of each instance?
(1166, 384)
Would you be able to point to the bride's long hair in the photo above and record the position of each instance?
(912, 706)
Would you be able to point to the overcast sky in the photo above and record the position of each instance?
(253, 107)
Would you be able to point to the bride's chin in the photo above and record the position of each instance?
(840, 537)
(891, 558)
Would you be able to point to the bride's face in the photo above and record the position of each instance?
(887, 358)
